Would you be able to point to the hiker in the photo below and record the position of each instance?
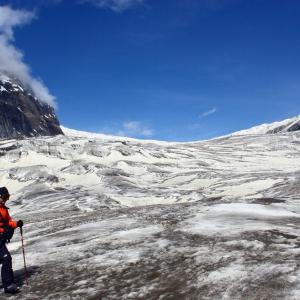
(7, 226)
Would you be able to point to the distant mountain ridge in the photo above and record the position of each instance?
(287, 125)
(22, 114)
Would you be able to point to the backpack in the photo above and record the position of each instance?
(8, 233)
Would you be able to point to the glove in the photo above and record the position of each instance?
(20, 223)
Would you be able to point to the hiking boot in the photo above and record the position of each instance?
(11, 289)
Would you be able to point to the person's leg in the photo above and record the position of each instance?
(6, 271)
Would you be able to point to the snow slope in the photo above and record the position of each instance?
(117, 218)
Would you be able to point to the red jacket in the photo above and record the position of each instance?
(5, 219)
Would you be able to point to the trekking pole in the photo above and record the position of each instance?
(23, 248)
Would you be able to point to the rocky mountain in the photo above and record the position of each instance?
(288, 125)
(22, 114)
(114, 218)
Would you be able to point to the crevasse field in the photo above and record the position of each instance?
(117, 218)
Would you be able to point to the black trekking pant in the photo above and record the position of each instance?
(7, 273)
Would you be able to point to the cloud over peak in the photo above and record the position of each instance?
(10, 18)
(12, 59)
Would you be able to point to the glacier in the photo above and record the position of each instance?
(118, 218)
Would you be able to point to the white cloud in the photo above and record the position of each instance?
(12, 59)
(135, 129)
(207, 113)
(10, 18)
(115, 5)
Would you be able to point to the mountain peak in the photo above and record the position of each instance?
(21, 112)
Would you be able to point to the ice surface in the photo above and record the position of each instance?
(236, 218)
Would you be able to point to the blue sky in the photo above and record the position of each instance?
(177, 70)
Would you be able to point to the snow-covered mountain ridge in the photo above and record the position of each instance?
(287, 125)
(284, 126)
(118, 218)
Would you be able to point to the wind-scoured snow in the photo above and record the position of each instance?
(117, 218)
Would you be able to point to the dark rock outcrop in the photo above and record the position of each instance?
(292, 126)
(22, 114)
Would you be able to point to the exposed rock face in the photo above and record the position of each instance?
(22, 114)
(294, 125)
